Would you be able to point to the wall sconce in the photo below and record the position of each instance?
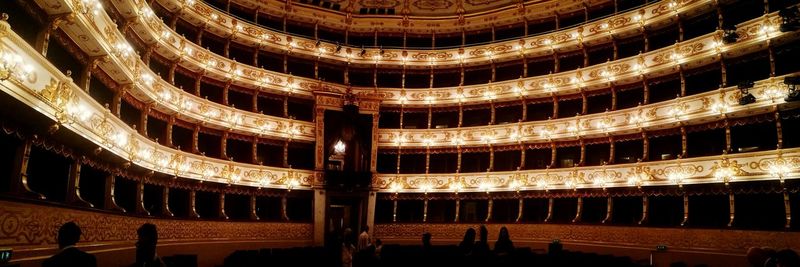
(339, 148)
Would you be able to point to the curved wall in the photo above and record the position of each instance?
(30, 228)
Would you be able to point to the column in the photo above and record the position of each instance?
(254, 208)
(73, 185)
(19, 183)
(193, 205)
(221, 209)
(165, 203)
(110, 202)
(140, 199)
(319, 217)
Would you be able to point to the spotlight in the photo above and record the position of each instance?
(793, 94)
(382, 51)
(318, 43)
(746, 97)
(791, 19)
(338, 47)
(363, 52)
(729, 35)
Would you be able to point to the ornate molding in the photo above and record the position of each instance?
(628, 23)
(755, 166)
(696, 109)
(30, 226)
(53, 94)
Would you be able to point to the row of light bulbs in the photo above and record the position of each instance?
(377, 56)
(71, 109)
(548, 87)
(678, 112)
(725, 171)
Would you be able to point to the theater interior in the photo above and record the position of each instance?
(275, 132)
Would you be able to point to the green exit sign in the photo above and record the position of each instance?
(5, 255)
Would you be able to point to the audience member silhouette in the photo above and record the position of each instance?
(468, 243)
(68, 255)
(146, 255)
(787, 258)
(378, 249)
(481, 251)
(363, 239)
(426, 253)
(348, 248)
(503, 246)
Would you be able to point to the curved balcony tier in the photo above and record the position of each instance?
(120, 62)
(601, 31)
(691, 110)
(35, 82)
(696, 52)
(742, 167)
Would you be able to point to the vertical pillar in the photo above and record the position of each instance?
(143, 121)
(43, 37)
(84, 81)
(165, 211)
(19, 183)
(555, 107)
(645, 146)
(732, 210)
(197, 82)
(319, 144)
(171, 72)
(116, 101)
(110, 202)
(458, 208)
(373, 158)
(685, 209)
(254, 151)
(221, 210)
(140, 209)
(549, 210)
(425, 208)
(73, 185)
(609, 210)
(168, 132)
(254, 209)
(195, 139)
(193, 205)
(489, 209)
(371, 200)
(787, 207)
(645, 204)
(579, 211)
(284, 209)
(519, 210)
(223, 145)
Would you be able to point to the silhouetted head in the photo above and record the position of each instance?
(484, 233)
(426, 239)
(378, 242)
(469, 236)
(366, 228)
(69, 234)
(146, 246)
(787, 258)
(347, 236)
(503, 234)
